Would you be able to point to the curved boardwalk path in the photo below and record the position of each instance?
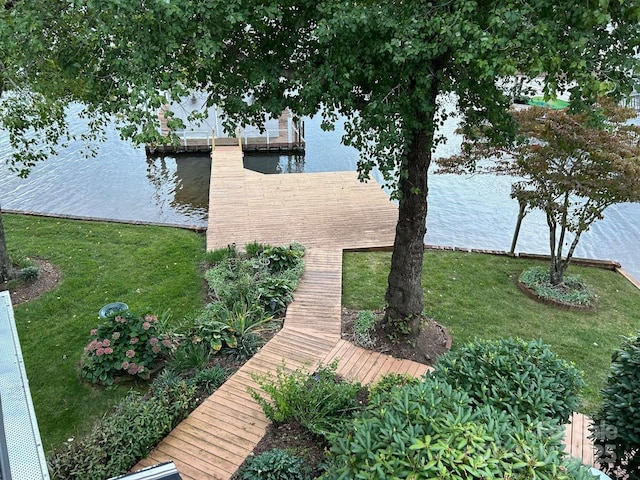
(328, 213)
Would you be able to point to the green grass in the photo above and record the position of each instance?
(143, 266)
(474, 296)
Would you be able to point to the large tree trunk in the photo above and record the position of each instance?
(6, 268)
(404, 292)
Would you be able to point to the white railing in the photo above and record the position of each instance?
(633, 101)
(203, 137)
(246, 136)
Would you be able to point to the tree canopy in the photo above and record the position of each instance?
(384, 65)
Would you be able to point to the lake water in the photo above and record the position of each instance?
(122, 183)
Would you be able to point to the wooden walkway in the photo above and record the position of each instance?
(327, 212)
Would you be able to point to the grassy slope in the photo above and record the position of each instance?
(474, 296)
(100, 263)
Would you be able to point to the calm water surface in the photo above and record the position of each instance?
(122, 183)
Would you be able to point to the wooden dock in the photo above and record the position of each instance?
(328, 213)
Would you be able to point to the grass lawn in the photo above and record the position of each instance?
(155, 267)
(474, 296)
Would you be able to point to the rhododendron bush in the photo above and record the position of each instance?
(126, 344)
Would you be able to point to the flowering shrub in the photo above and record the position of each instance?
(125, 344)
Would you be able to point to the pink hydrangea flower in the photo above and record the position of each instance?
(124, 365)
(155, 349)
(130, 353)
(106, 342)
(151, 318)
(92, 346)
(133, 341)
(100, 352)
(146, 325)
(108, 351)
(99, 344)
(94, 331)
(153, 341)
(166, 343)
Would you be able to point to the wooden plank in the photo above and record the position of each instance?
(577, 441)
(210, 437)
(218, 457)
(337, 352)
(193, 466)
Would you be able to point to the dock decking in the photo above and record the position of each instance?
(328, 213)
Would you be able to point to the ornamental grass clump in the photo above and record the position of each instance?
(523, 378)
(126, 344)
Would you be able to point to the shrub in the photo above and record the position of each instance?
(208, 380)
(246, 347)
(392, 381)
(573, 291)
(616, 424)
(231, 282)
(274, 293)
(125, 344)
(523, 378)
(28, 274)
(120, 439)
(268, 278)
(431, 430)
(275, 464)
(137, 424)
(320, 402)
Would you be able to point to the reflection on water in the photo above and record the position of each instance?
(274, 163)
(187, 177)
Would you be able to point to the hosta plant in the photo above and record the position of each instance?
(275, 464)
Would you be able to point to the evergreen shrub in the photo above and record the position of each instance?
(524, 378)
(616, 425)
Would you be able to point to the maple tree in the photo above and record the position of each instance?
(571, 166)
